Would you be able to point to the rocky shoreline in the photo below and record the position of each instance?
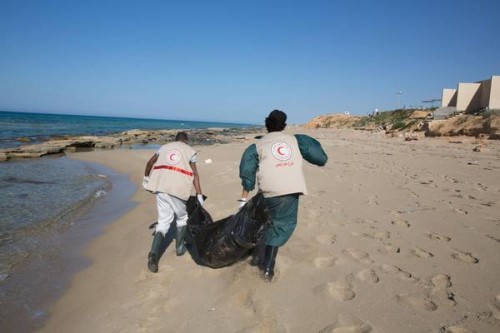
(127, 139)
(417, 128)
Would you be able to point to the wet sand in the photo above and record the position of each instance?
(54, 255)
(395, 236)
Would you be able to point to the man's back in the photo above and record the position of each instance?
(172, 172)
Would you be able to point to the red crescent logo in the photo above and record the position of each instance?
(281, 151)
(173, 157)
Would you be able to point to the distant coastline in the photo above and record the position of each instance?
(22, 128)
(36, 135)
(29, 135)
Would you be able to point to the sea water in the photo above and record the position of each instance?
(46, 202)
(39, 195)
(18, 128)
(43, 203)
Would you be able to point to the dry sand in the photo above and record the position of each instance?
(395, 236)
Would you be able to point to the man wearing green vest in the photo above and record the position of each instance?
(275, 164)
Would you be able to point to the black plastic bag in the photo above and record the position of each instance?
(222, 243)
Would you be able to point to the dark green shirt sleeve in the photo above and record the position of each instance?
(249, 165)
(311, 150)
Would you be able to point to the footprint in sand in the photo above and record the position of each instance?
(401, 223)
(338, 290)
(452, 180)
(455, 329)
(360, 256)
(438, 237)
(347, 323)
(464, 256)
(365, 221)
(482, 187)
(439, 291)
(324, 262)
(372, 200)
(461, 211)
(419, 302)
(493, 238)
(389, 249)
(427, 182)
(441, 281)
(417, 252)
(327, 239)
(368, 276)
(495, 307)
(374, 235)
(385, 268)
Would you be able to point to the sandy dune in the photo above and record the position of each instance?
(395, 236)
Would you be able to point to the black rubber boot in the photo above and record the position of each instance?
(258, 255)
(180, 240)
(154, 254)
(269, 262)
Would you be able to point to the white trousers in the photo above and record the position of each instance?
(170, 208)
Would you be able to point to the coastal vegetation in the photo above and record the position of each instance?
(401, 121)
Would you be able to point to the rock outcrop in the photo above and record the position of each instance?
(402, 123)
(127, 140)
(333, 121)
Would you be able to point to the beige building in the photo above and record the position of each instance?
(472, 97)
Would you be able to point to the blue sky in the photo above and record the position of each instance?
(235, 61)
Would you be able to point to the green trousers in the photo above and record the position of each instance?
(283, 211)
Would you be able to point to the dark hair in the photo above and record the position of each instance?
(276, 121)
(181, 136)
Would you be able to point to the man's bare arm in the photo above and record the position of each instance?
(196, 179)
(150, 164)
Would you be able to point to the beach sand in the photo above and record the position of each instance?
(394, 236)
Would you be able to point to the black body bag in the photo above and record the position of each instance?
(222, 243)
